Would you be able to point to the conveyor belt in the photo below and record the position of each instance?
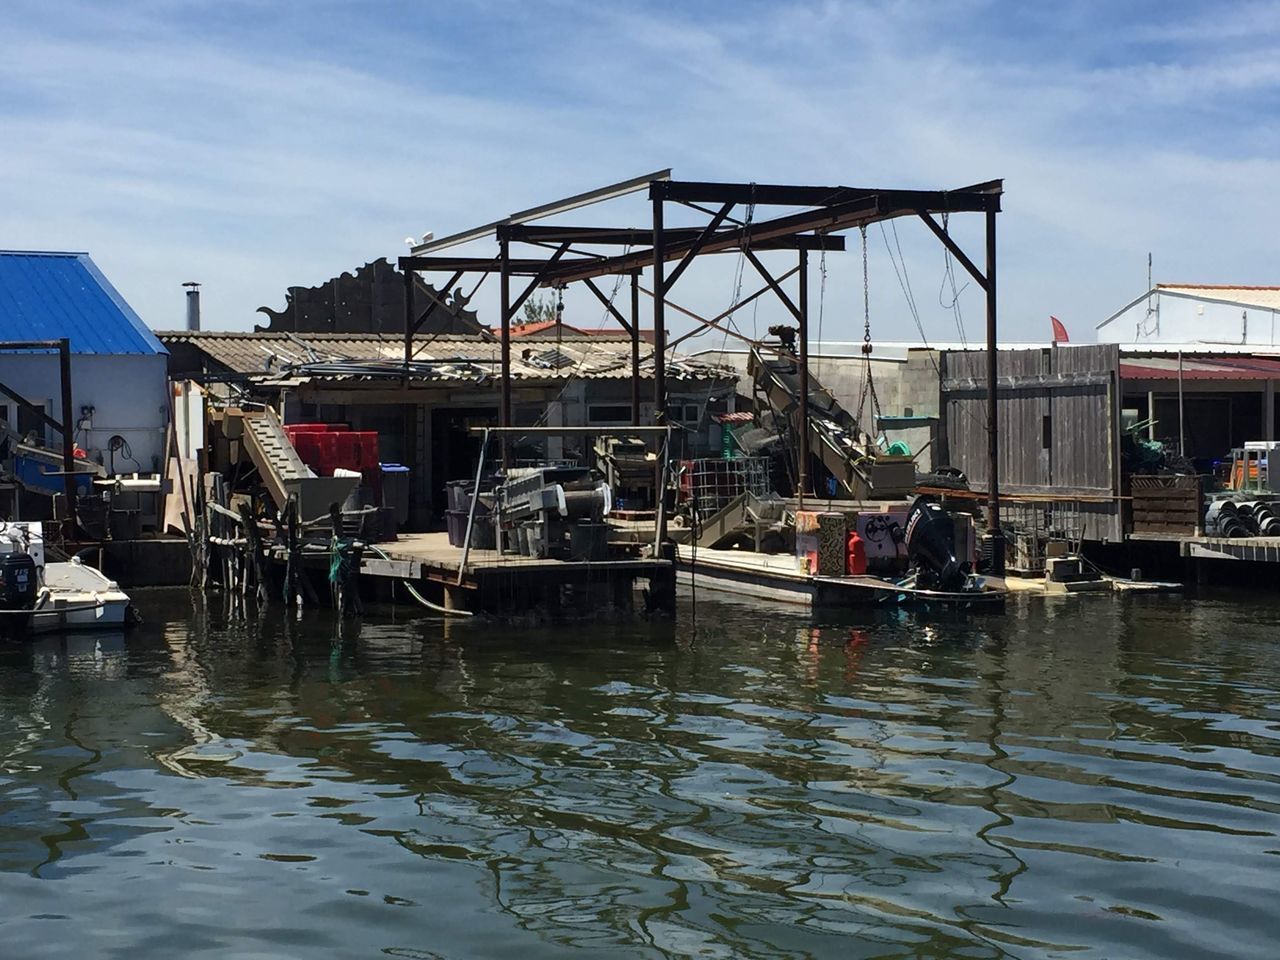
(833, 431)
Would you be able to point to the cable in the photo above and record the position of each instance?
(949, 276)
(118, 444)
(419, 597)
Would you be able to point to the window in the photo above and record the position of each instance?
(686, 413)
(609, 413)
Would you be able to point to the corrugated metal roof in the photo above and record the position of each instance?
(451, 358)
(1267, 298)
(1199, 368)
(46, 296)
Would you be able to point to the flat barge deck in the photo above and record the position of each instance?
(491, 582)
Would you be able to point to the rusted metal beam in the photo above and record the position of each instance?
(774, 285)
(635, 349)
(698, 243)
(539, 277)
(608, 304)
(953, 247)
(638, 237)
(714, 322)
(504, 312)
(865, 207)
(829, 218)
(789, 195)
(802, 317)
(993, 434)
(437, 300)
(517, 268)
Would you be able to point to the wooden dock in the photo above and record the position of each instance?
(502, 583)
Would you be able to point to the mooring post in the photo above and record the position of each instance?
(504, 413)
(996, 537)
(68, 437)
(803, 426)
(659, 331)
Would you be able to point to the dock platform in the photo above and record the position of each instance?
(494, 582)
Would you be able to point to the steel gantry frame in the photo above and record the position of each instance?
(825, 212)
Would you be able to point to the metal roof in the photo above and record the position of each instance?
(1259, 298)
(1199, 368)
(47, 296)
(1266, 298)
(341, 356)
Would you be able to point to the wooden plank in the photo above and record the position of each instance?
(1182, 528)
(1021, 382)
(399, 569)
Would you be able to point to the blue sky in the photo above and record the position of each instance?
(254, 146)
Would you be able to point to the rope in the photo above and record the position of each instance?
(949, 276)
(339, 559)
(419, 597)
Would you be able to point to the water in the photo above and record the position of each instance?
(1085, 778)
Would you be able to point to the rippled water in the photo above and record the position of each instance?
(1082, 778)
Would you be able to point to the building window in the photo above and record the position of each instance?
(609, 413)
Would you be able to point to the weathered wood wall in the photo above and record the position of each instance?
(1058, 421)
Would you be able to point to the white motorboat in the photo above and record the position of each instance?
(37, 596)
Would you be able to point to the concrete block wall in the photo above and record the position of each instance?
(918, 386)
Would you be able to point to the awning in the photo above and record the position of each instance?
(1199, 368)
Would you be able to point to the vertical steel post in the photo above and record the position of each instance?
(635, 349)
(802, 426)
(659, 361)
(471, 508)
(993, 417)
(504, 413)
(1182, 433)
(659, 316)
(408, 320)
(68, 436)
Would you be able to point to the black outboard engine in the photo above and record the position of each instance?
(931, 547)
(19, 586)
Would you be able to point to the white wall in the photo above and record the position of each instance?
(128, 394)
(1180, 319)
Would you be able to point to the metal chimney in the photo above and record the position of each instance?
(193, 305)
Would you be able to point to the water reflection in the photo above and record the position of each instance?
(1091, 777)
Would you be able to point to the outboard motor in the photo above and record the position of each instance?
(930, 540)
(19, 586)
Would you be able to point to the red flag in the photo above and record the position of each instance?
(1059, 331)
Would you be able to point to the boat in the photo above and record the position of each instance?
(39, 596)
(934, 579)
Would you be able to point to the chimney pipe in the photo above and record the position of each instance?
(193, 305)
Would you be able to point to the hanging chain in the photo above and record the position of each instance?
(866, 297)
(868, 379)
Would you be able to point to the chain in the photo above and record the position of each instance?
(866, 297)
(868, 379)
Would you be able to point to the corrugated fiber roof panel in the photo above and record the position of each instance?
(47, 296)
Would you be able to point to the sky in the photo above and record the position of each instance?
(254, 146)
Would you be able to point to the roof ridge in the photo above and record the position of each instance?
(1212, 286)
(44, 253)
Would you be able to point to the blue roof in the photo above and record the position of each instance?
(46, 296)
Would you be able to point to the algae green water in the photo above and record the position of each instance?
(1085, 778)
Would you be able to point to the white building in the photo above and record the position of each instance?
(1197, 314)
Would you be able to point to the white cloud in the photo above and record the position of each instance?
(257, 150)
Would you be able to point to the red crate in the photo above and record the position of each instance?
(308, 448)
(364, 448)
(330, 455)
